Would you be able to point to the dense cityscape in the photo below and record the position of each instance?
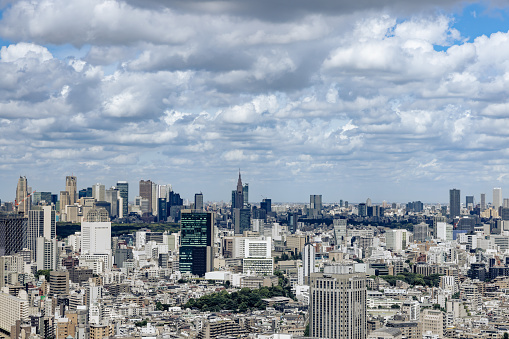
(96, 262)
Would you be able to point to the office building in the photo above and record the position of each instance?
(64, 201)
(123, 189)
(238, 195)
(162, 210)
(99, 192)
(71, 183)
(196, 253)
(339, 230)
(41, 223)
(46, 253)
(112, 196)
(469, 202)
(244, 247)
(198, 201)
(245, 194)
(308, 262)
(59, 282)
(22, 196)
(96, 238)
(454, 203)
(146, 193)
(396, 240)
(41, 198)
(13, 233)
(497, 198)
(337, 308)
(315, 204)
(241, 220)
(483, 201)
(266, 205)
(421, 232)
(12, 310)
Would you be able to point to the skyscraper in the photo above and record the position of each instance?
(146, 192)
(266, 204)
(245, 194)
(71, 183)
(337, 308)
(41, 223)
(469, 201)
(22, 196)
(497, 197)
(13, 231)
(483, 201)
(238, 195)
(198, 201)
(315, 204)
(123, 188)
(454, 203)
(308, 262)
(99, 192)
(196, 254)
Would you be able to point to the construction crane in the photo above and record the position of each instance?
(16, 203)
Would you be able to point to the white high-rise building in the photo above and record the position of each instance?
(95, 237)
(41, 223)
(308, 262)
(337, 306)
(396, 240)
(244, 247)
(47, 254)
(497, 197)
(99, 192)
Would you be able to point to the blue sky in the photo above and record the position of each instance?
(390, 100)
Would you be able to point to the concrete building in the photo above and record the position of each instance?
(338, 306)
(12, 310)
(433, 321)
(47, 254)
(497, 198)
(308, 262)
(59, 282)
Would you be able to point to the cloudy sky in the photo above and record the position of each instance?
(394, 100)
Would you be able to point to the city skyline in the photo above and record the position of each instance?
(387, 100)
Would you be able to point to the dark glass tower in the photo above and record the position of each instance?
(13, 233)
(454, 203)
(123, 188)
(197, 242)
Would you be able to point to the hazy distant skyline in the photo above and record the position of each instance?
(391, 100)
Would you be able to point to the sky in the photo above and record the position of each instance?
(393, 100)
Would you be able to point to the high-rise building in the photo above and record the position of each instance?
(241, 220)
(96, 237)
(308, 262)
(146, 192)
(59, 282)
(266, 205)
(46, 253)
(123, 188)
(421, 232)
(198, 201)
(483, 201)
(339, 230)
(41, 223)
(497, 198)
(13, 231)
(337, 306)
(99, 192)
(64, 200)
(245, 194)
(454, 203)
(22, 196)
(238, 195)
(396, 240)
(196, 254)
(40, 197)
(315, 204)
(71, 183)
(469, 202)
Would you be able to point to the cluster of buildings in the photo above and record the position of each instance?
(355, 270)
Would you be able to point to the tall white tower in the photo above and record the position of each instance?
(497, 197)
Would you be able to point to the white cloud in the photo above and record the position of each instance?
(24, 50)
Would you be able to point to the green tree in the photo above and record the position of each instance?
(306, 331)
